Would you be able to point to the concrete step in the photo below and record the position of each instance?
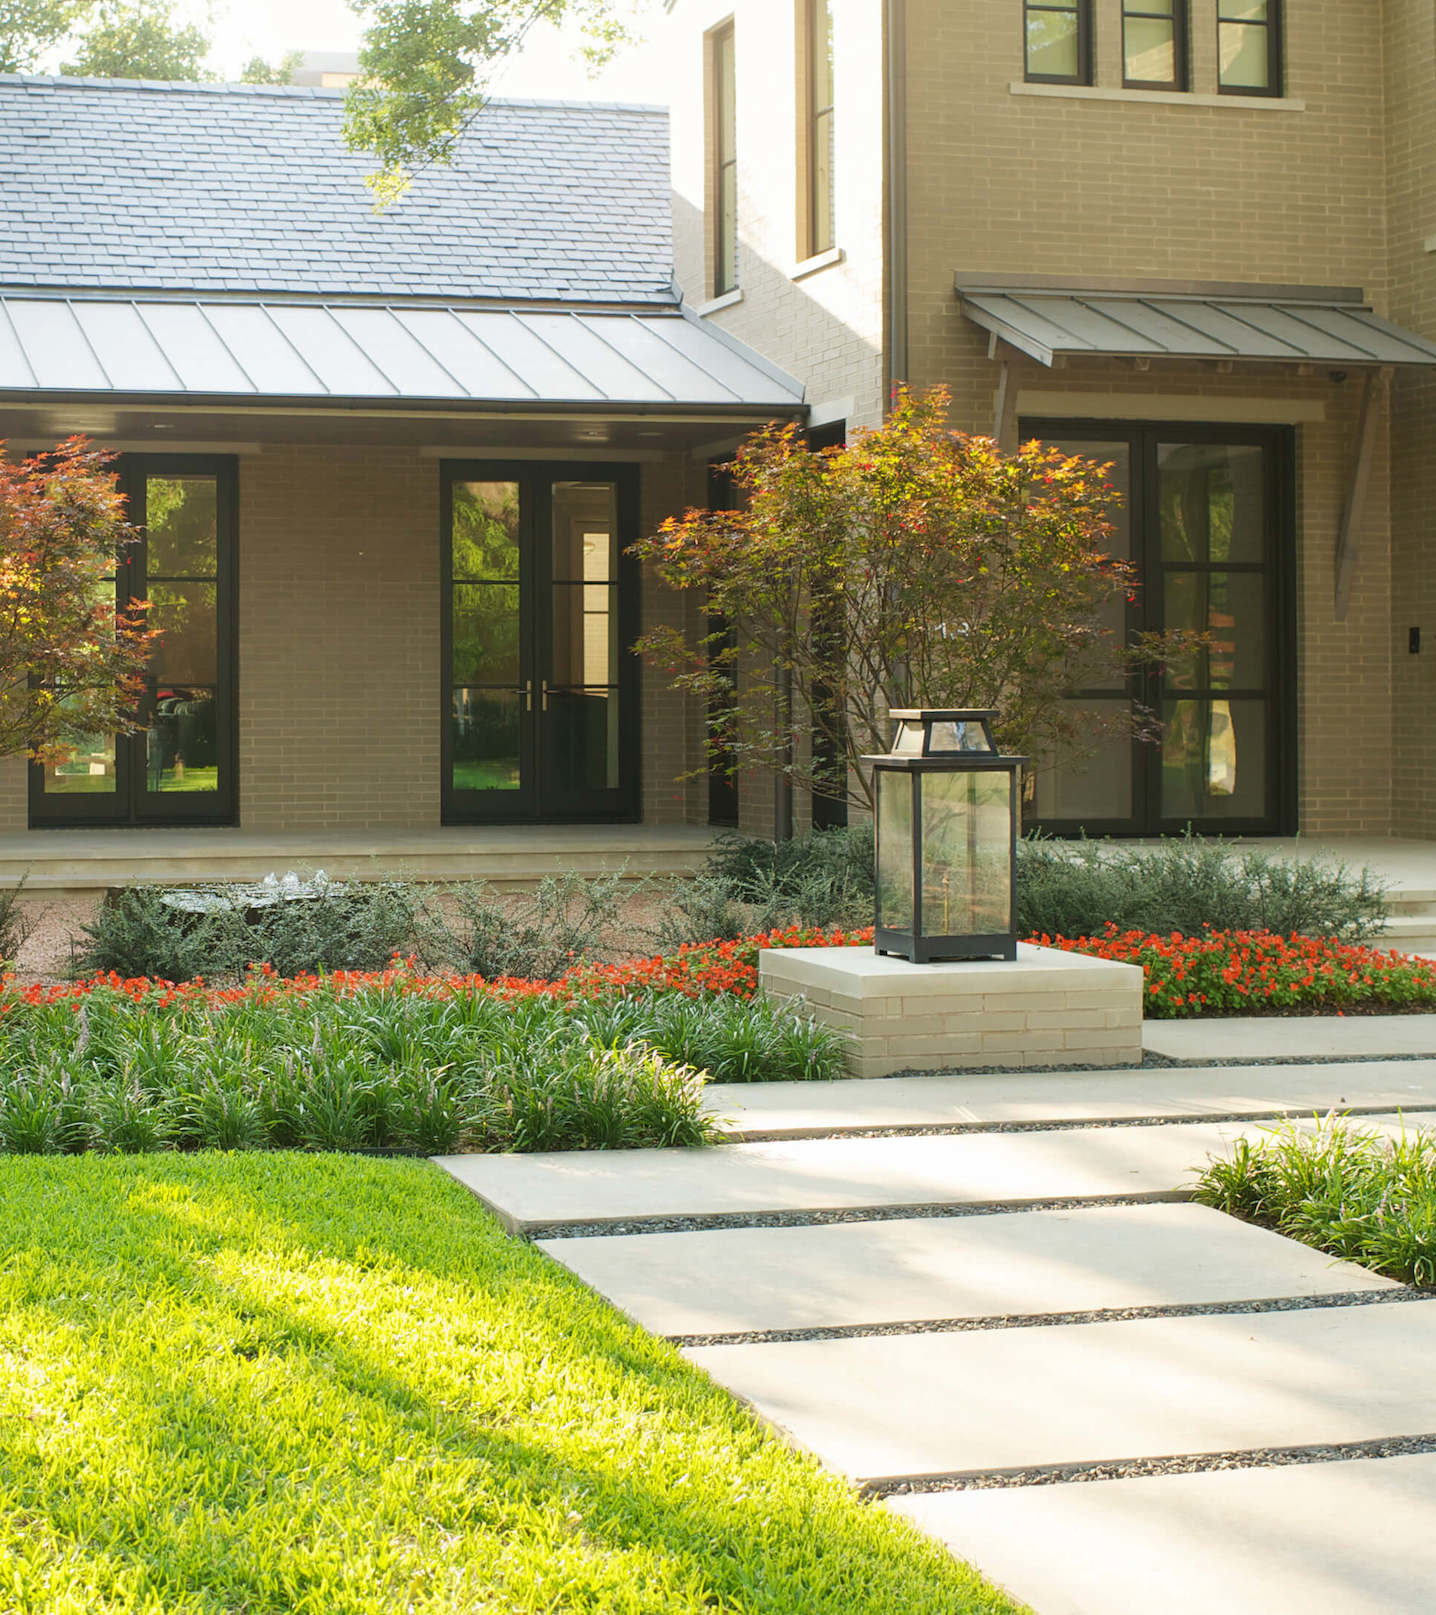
(887, 1408)
(1321, 1538)
(921, 1270)
(1291, 1037)
(843, 1174)
(993, 1099)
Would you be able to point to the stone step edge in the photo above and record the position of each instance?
(967, 1480)
(1066, 1124)
(977, 1323)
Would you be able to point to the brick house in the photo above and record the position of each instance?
(388, 466)
(1191, 237)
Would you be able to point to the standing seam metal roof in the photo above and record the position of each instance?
(247, 188)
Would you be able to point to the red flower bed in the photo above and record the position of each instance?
(700, 967)
(1260, 973)
(1219, 972)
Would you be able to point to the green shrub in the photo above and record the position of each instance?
(536, 936)
(1351, 1192)
(1077, 888)
(747, 885)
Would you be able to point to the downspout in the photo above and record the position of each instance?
(895, 345)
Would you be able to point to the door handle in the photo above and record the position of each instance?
(528, 695)
(544, 694)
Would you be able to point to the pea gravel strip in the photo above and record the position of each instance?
(1139, 1468)
(1067, 1124)
(718, 1220)
(1050, 1320)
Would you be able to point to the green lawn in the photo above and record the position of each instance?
(323, 1384)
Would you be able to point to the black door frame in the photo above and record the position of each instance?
(1279, 442)
(131, 804)
(533, 802)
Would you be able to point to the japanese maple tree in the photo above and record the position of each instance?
(70, 661)
(913, 566)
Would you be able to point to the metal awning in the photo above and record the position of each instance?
(376, 353)
(1051, 324)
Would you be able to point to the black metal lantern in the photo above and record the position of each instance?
(947, 822)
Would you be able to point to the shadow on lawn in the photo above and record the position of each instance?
(328, 1383)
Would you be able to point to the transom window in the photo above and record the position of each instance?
(1249, 47)
(1154, 44)
(1058, 41)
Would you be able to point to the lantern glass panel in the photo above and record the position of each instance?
(909, 740)
(967, 854)
(894, 860)
(948, 736)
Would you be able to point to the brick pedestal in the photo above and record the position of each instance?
(1046, 1007)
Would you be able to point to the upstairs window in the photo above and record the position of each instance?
(1249, 47)
(1154, 44)
(723, 102)
(818, 95)
(1059, 41)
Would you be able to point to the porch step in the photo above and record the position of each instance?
(80, 861)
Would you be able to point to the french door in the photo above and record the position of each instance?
(180, 767)
(539, 614)
(1206, 516)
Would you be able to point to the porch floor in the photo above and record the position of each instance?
(87, 860)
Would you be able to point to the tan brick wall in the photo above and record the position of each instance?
(1410, 40)
(827, 327)
(1135, 188)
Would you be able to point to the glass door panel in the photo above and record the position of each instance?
(179, 767)
(539, 683)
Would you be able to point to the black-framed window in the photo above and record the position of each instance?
(1058, 41)
(180, 768)
(1249, 47)
(821, 132)
(1206, 515)
(723, 90)
(1154, 44)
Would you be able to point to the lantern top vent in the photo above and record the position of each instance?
(943, 732)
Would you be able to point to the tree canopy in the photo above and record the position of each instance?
(428, 66)
(130, 39)
(914, 566)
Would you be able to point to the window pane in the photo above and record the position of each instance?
(585, 532)
(725, 276)
(181, 753)
(486, 633)
(1118, 457)
(186, 617)
(585, 634)
(581, 739)
(181, 526)
(966, 854)
(1244, 10)
(91, 770)
(1151, 50)
(1213, 502)
(821, 93)
(1214, 759)
(823, 228)
(484, 726)
(894, 850)
(1052, 45)
(1230, 607)
(486, 530)
(1245, 60)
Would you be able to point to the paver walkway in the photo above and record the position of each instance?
(986, 1301)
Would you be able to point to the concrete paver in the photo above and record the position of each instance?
(913, 1269)
(842, 1173)
(1323, 1539)
(893, 1406)
(1238, 1037)
(1184, 1093)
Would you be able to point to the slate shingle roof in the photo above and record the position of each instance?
(162, 187)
